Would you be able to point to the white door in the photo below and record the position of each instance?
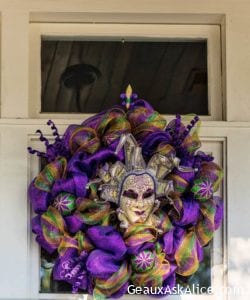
(228, 140)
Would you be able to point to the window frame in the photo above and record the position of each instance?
(139, 32)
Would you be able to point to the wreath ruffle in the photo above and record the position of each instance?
(96, 255)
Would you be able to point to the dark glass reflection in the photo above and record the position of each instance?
(88, 76)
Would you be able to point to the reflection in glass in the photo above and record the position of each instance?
(88, 76)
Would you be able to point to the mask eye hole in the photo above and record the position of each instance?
(148, 194)
(130, 194)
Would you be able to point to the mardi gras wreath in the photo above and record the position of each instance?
(126, 198)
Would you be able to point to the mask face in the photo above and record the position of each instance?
(137, 197)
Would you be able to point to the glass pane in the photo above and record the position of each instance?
(88, 76)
